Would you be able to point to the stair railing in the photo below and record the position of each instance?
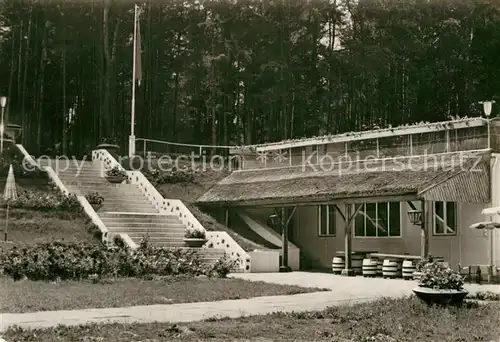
(87, 208)
(177, 208)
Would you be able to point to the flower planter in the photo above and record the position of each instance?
(196, 243)
(440, 297)
(115, 179)
(96, 207)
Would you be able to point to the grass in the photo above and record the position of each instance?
(30, 296)
(28, 227)
(387, 320)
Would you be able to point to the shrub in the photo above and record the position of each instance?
(222, 267)
(195, 234)
(94, 230)
(94, 198)
(66, 261)
(118, 241)
(437, 276)
(420, 265)
(41, 201)
(116, 171)
(20, 166)
(172, 176)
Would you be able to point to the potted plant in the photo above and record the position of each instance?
(195, 237)
(116, 174)
(439, 284)
(95, 200)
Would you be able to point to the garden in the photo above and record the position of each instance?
(55, 260)
(385, 320)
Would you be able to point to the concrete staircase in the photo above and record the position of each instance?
(166, 231)
(125, 209)
(135, 209)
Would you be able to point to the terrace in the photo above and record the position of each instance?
(400, 142)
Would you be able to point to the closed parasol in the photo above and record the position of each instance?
(9, 194)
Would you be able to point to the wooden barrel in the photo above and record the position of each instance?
(408, 268)
(369, 267)
(337, 265)
(391, 268)
(380, 263)
(357, 264)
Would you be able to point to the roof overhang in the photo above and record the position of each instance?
(468, 182)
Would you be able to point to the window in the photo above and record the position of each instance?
(327, 220)
(445, 218)
(378, 220)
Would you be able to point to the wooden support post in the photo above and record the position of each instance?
(348, 271)
(284, 242)
(424, 232)
(226, 218)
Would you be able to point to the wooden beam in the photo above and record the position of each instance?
(424, 232)
(305, 202)
(348, 271)
(284, 242)
(412, 206)
(336, 207)
(291, 215)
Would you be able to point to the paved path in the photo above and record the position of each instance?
(344, 290)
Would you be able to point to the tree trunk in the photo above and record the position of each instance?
(213, 102)
(64, 109)
(24, 115)
(41, 84)
(11, 76)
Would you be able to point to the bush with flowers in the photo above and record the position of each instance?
(436, 275)
(75, 261)
(43, 201)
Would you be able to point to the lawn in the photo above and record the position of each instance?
(32, 227)
(386, 320)
(30, 296)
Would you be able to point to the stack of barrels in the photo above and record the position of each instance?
(380, 264)
(338, 265)
(357, 264)
(391, 268)
(409, 267)
(369, 267)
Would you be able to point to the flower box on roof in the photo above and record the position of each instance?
(410, 140)
(374, 134)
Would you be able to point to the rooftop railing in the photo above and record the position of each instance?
(432, 138)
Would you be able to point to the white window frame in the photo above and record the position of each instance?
(366, 217)
(448, 231)
(332, 213)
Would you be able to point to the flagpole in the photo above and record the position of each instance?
(131, 149)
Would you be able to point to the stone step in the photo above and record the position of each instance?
(151, 228)
(144, 223)
(130, 204)
(124, 209)
(119, 215)
(163, 243)
(157, 237)
(133, 198)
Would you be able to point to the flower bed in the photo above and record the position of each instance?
(51, 261)
(43, 201)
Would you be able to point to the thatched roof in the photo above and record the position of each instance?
(395, 177)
